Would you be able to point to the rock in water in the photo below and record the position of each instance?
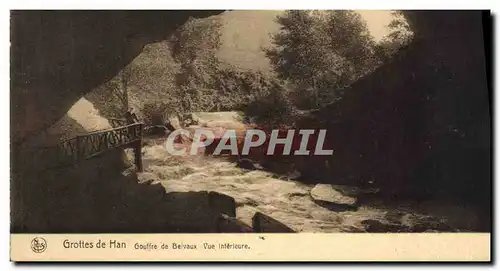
(295, 175)
(376, 226)
(222, 204)
(325, 192)
(147, 178)
(196, 212)
(249, 164)
(264, 223)
(227, 224)
(174, 122)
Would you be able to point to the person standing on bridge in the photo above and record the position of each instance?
(131, 118)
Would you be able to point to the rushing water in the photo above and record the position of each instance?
(285, 200)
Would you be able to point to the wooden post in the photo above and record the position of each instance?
(138, 155)
(138, 149)
(141, 128)
(78, 148)
(106, 140)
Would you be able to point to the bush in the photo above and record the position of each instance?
(273, 109)
(154, 112)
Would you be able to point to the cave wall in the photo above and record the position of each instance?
(58, 56)
(421, 122)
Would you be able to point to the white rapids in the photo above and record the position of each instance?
(285, 200)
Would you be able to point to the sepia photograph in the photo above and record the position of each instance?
(249, 121)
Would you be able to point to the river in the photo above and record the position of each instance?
(289, 201)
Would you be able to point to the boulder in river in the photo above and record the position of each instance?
(328, 193)
(264, 223)
(174, 122)
(199, 212)
(227, 224)
(222, 204)
(375, 226)
(248, 164)
(147, 178)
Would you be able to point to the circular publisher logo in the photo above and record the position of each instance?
(38, 245)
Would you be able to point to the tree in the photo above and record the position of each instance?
(122, 92)
(296, 54)
(112, 97)
(350, 38)
(152, 79)
(400, 35)
(321, 51)
(168, 77)
(194, 47)
(204, 83)
(147, 79)
(271, 108)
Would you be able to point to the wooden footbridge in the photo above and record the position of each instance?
(87, 146)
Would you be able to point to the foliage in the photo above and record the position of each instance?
(272, 109)
(183, 75)
(154, 112)
(320, 51)
(315, 53)
(148, 78)
(236, 87)
(205, 83)
(194, 47)
(400, 36)
(197, 39)
(109, 99)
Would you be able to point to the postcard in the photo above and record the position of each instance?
(250, 135)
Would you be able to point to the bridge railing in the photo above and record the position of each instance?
(95, 143)
(79, 148)
(115, 123)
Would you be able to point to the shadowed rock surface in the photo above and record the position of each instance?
(264, 223)
(58, 56)
(419, 125)
(325, 192)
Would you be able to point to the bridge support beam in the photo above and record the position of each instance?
(138, 155)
